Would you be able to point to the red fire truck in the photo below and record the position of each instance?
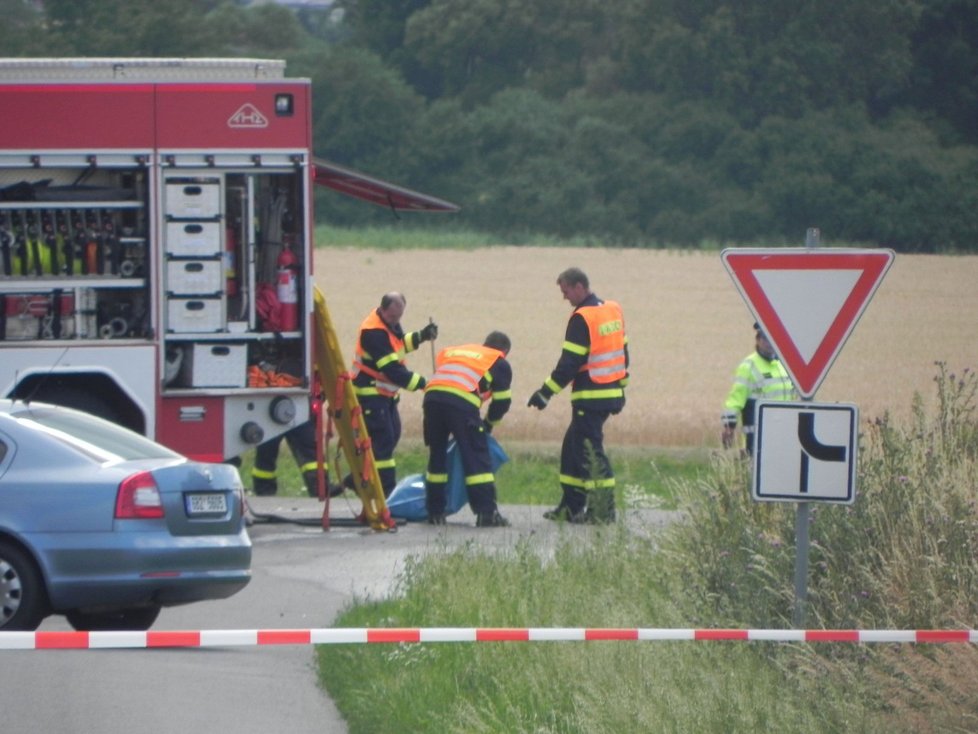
(156, 242)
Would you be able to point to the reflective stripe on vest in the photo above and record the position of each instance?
(387, 389)
(765, 379)
(459, 370)
(606, 328)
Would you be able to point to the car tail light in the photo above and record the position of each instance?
(138, 498)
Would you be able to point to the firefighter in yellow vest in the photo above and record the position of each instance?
(379, 375)
(760, 376)
(594, 360)
(466, 377)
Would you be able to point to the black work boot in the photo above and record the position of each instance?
(560, 512)
(563, 513)
(554, 514)
(264, 487)
(491, 520)
(311, 480)
(436, 518)
(601, 506)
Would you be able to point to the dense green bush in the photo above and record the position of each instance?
(638, 123)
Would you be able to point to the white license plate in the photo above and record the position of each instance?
(206, 504)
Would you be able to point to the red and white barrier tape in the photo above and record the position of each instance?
(344, 636)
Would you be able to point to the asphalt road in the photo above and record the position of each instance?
(302, 578)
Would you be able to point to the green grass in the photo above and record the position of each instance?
(905, 556)
(604, 579)
(429, 238)
(645, 477)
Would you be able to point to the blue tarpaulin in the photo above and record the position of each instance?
(406, 500)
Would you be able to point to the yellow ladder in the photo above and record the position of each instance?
(345, 412)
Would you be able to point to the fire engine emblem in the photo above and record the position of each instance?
(247, 116)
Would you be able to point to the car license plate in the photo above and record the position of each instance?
(206, 504)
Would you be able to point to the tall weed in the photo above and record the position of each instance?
(903, 556)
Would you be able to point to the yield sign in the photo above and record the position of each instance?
(807, 301)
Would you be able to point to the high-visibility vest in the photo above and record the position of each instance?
(363, 362)
(460, 369)
(606, 328)
(756, 378)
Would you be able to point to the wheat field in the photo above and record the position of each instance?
(688, 329)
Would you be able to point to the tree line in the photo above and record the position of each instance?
(632, 122)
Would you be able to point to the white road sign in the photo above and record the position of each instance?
(805, 452)
(807, 300)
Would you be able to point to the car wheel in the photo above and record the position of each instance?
(136, 619)
(23, 599)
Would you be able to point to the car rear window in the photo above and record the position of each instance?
(88, 431)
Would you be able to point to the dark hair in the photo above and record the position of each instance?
(498, 340)
(573, 276)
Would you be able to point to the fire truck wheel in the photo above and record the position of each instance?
(74, 398)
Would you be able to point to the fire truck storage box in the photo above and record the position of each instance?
(194, 277)
(31, 316)
(193, 200)
(215, 365)
(195, 315)
(193, 239)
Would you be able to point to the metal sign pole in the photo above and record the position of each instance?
(802, 515)
(801, 564)
(807, 300)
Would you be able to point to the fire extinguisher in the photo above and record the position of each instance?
(230, 261)
(287, 288)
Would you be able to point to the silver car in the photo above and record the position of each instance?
(106, 526)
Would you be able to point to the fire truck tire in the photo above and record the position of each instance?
(71, 397)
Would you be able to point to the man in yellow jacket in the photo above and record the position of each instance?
(760, 376)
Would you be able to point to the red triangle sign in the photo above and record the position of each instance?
(807, 300)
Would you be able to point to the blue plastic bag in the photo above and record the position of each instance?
(407, 499)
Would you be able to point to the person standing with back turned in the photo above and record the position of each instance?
(465, 377)
(595, 359)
